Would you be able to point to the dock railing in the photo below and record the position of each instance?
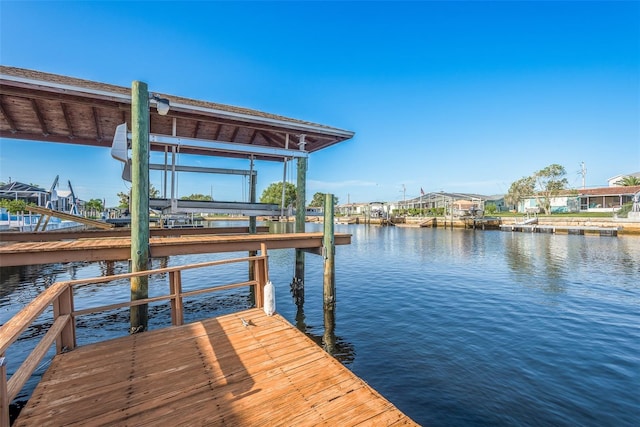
(63, 329)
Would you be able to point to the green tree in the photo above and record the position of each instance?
(550, 182)
(273, 194)
(200, 197)
(490, 209)
(153, 192)
(629, 181)
(318, 200)
(546, 184)
(123, 200)
(521, 188)
(13, 206)
(94, 207)
(124, 197)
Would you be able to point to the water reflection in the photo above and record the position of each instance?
(484, 327)
(537, 260)
(336, 346)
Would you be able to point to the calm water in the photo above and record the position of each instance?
(456, 328)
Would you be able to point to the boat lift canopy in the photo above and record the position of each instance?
(53, 108)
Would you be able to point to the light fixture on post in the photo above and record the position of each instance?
(162, 104)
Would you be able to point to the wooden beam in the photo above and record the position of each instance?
(36, 110)
(63, 96)
(252, 138)
(196, 129)
(119, 249)
(96, 121)
(7, 117)
(55, 138)
(273, 140)
(67, 118)
(218, 132)
(124, 232)
(234, 134)
(63, 215)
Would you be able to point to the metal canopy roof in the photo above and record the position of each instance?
(47, 107)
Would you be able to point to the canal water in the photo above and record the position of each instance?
(455, 327)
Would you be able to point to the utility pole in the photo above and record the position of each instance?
(583, 172)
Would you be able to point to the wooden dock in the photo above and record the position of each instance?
(213, 372)
(118, 249)
(428, 222)
(562, 229)
(47, 236)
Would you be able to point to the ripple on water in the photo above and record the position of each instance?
(457, 327)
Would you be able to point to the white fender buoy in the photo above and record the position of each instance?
(269, 298)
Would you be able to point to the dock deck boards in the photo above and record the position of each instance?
(213, 372)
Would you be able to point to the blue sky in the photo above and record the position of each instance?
(453, 96)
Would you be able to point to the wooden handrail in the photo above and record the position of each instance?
(11, 330)
(169, 297)
(62, 331)
(22, 375)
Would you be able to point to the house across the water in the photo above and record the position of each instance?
(603, 199)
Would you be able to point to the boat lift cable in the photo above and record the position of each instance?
(250, 179)
(284, 177)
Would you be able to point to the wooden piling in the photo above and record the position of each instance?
(253, 229)
(329, 336)
(139, 203)
(300, 224)
(329, 248)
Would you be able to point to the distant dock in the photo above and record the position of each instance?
(562, 229)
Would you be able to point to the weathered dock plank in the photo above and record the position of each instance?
(44, 236)
(216, 372)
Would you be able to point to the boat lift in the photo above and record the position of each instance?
(173, 205)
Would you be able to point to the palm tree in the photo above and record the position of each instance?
(629, 181)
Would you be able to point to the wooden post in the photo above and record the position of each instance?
(329, 336)
(252, 230)
(300, 227)
(139, 203)
(262, 275)
(4, 393)
(328, 243)
(61, 306)
(175, 288)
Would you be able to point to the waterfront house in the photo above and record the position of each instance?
(25, 192)
(433, 200)
(497, 201)
(56, 199)
(352, 209)
(602, 199)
